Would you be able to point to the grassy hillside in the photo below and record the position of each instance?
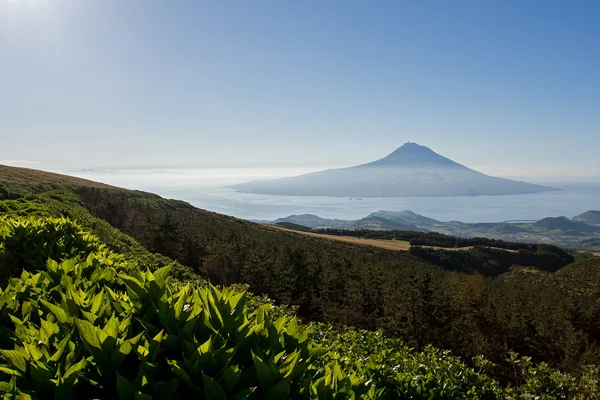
(88, 323)
(341, 284)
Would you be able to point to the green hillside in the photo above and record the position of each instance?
(564, 224)
(400, 300)
(591, 217)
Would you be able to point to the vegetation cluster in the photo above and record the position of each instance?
(86, 323)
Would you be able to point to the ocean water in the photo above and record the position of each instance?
(466, 209)
(205, 190)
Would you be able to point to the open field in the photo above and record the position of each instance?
(399, 245)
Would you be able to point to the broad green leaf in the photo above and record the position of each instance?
(160, 275)
(59, 313)
(179, 305)
(230, 376)
(88, 335)
(97, 302)
(40, 373)
(16, 358)
(125, 388)
(266, 378)
(49, 327)
(60, 349)
(33, 351)
(213, 390)
(112, 327)
(75, 370)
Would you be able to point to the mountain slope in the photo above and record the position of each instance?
(369, 222)
(565, 224)
(410, 171)
(406, 216)
(340, 283)
(591, 217)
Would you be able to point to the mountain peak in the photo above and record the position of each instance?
(411, 170)
(413, 154)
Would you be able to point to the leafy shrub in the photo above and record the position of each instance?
(98, 328)
(29, 242)
(392, 370)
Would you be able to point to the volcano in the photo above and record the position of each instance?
(410, 171)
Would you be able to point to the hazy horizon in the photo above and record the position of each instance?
(510, 89)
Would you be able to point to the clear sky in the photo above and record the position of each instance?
(511, 88)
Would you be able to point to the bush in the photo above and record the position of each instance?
(29, 242)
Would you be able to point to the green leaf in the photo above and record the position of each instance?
(237, 303)
(97, 302)
(143, 396)
(135, 288)
(317, 352)
(125, 388)
(244, 394)
(180, 372)
(88, 335)
(10, 371)
(49, 327)
(230, 376)
(290, 364)
(279, 391)
(40, 373)
(266, 378)
(59, 313)
(213, 390)
(16, 358)
(75, 369)
(180, 302)
(33, 351)
(112, 327)
(166, 390)
(160, 275)
(61, 349)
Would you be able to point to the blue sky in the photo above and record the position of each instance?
(509, 87)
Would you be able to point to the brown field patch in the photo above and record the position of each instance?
(398, 245)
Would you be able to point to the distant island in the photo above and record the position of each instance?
(410, 171)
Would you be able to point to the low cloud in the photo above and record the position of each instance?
(19, 163)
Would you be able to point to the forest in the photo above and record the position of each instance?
(535, 306)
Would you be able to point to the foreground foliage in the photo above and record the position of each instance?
(78, 320)
(96, 327)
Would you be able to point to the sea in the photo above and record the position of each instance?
(208, 189)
